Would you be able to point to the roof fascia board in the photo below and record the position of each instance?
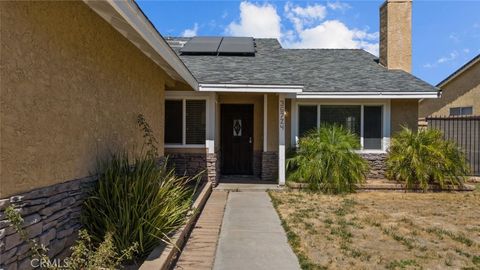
(373, 95)
(134, 17)
(250, 88)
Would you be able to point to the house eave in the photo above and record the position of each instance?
(370, 95)
(250, 88)
(128, 19)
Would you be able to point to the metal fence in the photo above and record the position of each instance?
(465, 131)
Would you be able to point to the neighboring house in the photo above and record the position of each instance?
(460, 93)
(73, 84)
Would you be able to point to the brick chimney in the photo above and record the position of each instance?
(396, 34)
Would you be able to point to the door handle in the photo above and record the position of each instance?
(249, 139)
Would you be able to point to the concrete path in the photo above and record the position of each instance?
(199, 251)
(252, 236)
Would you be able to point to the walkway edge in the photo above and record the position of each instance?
(162, 256)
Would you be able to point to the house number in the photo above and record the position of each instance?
(282, 114)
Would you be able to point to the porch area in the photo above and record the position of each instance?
(233, 137)
(243, 137)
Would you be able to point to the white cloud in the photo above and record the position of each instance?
(301, 16)
(334, 34)
(338, 5)
(257, 21)
(191, 32)
(454, 37)
(444, 59)
(310, 30)
(451, 56)
(224, 14)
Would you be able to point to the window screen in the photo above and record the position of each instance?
(347, 116)
(195, 121)
(461, 111)
(372, 127)
(173, 121)
(307, 119)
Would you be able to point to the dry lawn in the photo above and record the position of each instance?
(382, 230)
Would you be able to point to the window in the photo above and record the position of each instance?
(347, 116)
(188, 115)
(173, 121)
(461, 111)
(195, 121)
(372, 127)
(352, 117)
(307, 116)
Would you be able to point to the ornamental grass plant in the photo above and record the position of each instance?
(423, 158)
(137, 199)
(327, 161)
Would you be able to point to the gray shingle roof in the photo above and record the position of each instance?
(319, 70)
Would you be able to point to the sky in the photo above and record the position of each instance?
(445, 34)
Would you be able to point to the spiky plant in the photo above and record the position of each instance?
(326, 160)
(423, 158)
(137, 201)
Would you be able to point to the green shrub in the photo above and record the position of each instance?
(137, 201)
(423, 158)
(326, 160)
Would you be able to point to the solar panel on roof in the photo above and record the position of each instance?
(202, 45)
(237, 45)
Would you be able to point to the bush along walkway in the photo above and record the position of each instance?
(199, 251)
(252, 236)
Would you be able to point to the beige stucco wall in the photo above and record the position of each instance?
(461, 91)
(404, 112)
(288, 125)
(272, 116)
(71, 89)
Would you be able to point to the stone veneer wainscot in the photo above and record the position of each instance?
(51, 215)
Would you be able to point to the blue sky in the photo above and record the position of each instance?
(445, 34)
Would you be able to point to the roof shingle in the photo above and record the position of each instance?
(318, 70)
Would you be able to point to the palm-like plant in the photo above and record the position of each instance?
(326, 160)
(424, 157)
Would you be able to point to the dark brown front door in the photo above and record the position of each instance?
(237, 138)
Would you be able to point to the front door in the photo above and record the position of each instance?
(237, 139)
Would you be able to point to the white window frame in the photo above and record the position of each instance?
(385, 119)
(184, 96)
(462, 108)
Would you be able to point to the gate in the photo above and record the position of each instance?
(465, 131)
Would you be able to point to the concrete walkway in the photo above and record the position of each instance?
(252, 236)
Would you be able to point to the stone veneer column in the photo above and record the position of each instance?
(51, 214)
(269, 166)
(378, 166)
(257, 163)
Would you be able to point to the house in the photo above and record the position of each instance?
(255, 99)
(460, 93)
(76, 74)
